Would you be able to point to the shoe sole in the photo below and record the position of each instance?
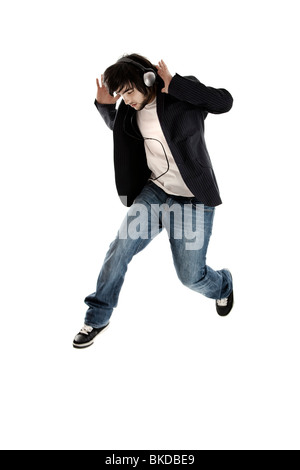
(224, 316)
(87, 345)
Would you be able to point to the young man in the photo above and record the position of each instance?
(164, 174)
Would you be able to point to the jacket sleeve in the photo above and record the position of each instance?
(191, 90)
(108, 112)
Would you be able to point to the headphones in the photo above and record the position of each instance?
(149, 75)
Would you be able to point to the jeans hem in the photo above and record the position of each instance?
(93, 325)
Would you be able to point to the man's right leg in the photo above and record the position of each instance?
(111, 278)
(136, 232)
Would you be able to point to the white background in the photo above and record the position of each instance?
(169, 373)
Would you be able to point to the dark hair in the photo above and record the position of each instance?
(120, 75)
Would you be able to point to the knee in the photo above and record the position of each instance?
(191, 279)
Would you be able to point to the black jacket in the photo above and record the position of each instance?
(181, 113)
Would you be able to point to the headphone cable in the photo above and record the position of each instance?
(144, 139)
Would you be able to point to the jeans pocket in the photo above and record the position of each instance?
(209, 209)
(195, 203)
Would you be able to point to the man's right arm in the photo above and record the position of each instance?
(106, 104)
(108, 113)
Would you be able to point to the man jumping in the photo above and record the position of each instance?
(164, 175)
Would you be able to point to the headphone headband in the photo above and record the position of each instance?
(149, 75)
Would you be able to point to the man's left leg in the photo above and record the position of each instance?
(189, 255)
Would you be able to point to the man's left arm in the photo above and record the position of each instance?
(191, 90)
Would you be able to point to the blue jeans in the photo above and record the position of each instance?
(189, 225)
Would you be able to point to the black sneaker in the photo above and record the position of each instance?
(224, 306)
(86, 337)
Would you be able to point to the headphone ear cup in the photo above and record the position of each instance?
(149, 78)
(149, 74)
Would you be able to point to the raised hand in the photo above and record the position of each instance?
(164, 73)
(103, 96)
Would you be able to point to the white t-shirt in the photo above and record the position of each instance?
(156, 151)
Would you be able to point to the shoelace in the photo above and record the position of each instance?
(222, 302)
(86, 330)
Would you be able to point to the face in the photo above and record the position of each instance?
(134, 98)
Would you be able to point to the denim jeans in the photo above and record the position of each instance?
(189, 225)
